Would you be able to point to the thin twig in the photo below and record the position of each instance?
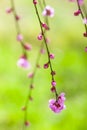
(48, 52)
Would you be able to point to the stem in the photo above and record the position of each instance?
(44, 3)
(82, 15)
(39, 1)
(31, 84)
(17, 25)
(42, 7)
(15, 14)
(46, 20)
(48, 53)
(32, 80)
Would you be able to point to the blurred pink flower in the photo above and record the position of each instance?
(48, 11)
(53, 83)
(85, 49)
(22, 62)
(17, 17)
(27, 46)
(72, 0)
(44, 25)
(19, 37)
(42, 51)
(9, 10)
(57, 105)
(34, 2)
(52, 56)
(39, 37)
(85, 20)
(76, 13)
(30, 75)
(79, 1)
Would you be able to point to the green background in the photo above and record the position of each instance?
(70, 64)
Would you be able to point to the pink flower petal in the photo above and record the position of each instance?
(57, 106)
(48, 11)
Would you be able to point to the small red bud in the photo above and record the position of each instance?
(46, 65)
(34, 2)
(85, 34)
(27, 123)
(17, 17)
(53, 73)
(53, 89)
(76, 13)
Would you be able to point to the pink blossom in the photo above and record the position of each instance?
(40, 37)
(34, 2)
(57, 105)
(76, 13)
(44, 25)
(27, 46)
(85, 20)
(85, 49)
(42, 51)
(53, 89)
(17, 17)
(46, 65)
(61, 97)
(48, 11)
(30, 75)
(79, 1)
(72, 0)
(52, 56)
(47, 40)
(22, 62)
(19, 37)
(9, 10)
(53, 83)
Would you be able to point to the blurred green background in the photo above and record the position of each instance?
(70, 64)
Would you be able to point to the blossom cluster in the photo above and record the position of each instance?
(56, 104)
